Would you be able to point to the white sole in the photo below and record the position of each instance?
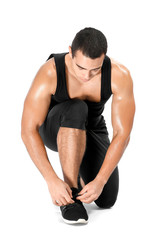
(74, 222)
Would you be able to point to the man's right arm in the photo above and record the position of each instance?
(36, 106)
(35, 109)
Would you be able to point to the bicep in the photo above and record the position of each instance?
(36, 104)
(34, 112)
(123, 108)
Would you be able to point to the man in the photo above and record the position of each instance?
(63, 111)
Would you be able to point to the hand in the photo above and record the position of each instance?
(60, 192)
(91, 191)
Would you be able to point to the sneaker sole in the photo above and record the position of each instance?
(74, 222)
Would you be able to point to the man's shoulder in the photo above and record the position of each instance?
(120, 76)
(49, 66)
(45, 78)
(118, 69)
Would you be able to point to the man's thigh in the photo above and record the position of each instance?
(71, 113)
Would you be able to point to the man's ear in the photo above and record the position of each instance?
(70, 51)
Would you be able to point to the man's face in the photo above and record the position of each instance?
(86, 68)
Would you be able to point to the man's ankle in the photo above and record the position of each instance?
(72, 184)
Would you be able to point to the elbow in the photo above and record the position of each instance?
(22, 133)
(28, 130)
(23, 136)
(26, 133)
(127, 140)
(123, 136)
(124, 139)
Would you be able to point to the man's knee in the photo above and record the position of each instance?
(77, 109)
(105, 203)
(75, 114)
(108, 197)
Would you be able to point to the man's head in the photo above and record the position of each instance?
(87, 52)
(91, 42)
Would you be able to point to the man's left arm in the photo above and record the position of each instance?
(123, 110)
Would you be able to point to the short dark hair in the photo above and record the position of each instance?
(91, 42)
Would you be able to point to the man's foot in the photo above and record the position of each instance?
(75, 212)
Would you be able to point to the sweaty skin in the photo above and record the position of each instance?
(83, 78)
(122, 110)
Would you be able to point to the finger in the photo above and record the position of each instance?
(81, 197)
(69, 191)
(57, 203)
(84, 190)
(63, 201)
(68, 199)
(84, 195)
(88, 200)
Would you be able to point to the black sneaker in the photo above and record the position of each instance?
(75, 212)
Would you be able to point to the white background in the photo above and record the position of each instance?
(30, 32)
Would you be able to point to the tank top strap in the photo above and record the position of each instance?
(106, 91)
(61, 90)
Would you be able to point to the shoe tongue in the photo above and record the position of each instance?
(75, 192)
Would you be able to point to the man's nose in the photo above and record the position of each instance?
(87, 75)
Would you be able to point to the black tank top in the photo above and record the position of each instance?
(95, 109)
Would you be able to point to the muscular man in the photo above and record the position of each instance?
(63, 111)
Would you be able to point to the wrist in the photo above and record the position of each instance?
(51, 178)
(101, 179)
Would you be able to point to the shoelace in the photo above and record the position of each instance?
(72, 205)
(76, 195)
